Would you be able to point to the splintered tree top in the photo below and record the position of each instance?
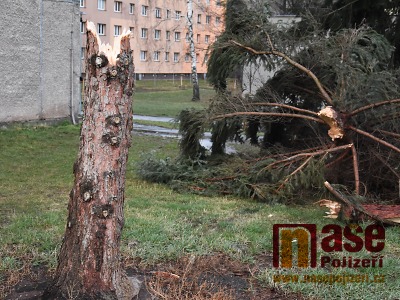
(111, 52)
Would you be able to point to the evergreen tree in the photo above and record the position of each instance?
(381, 15)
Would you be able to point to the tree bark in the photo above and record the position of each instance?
(89, 260)
(195, 79)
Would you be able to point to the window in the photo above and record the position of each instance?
(217, 20)
(157, 34)
(207, 39)
(187, 57)
(82, 27)
(156, 56)
(131, 8)
(168, 35)
(187, 37)
(144, 10)
(178, 15)
(101, 29)
(176, 56)
(117, 30)
(117, 6)
(168, 14)
(143, 33)
(177, 36)
(131, 29)
(197, 57)
(198, 38)
(82, 52)
(199, 19)
(101, 4)
(82, 3)
(206, 58)
(166, 56)
(218, 2)
(208, 19)
(158, 13)
(143, 55)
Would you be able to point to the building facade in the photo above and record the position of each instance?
(159, 38)
(40, 71)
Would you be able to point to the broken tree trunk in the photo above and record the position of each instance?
(89, 260)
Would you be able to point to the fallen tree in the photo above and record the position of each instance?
(335, 98)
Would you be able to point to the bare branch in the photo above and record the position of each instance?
(342, 156)
(386, 164)
(373, 105)
(393, 134)
(294, 173)
(293, 63)
(378, 140)
(267, 114)
(285, 154)
(312, 154)
(285, 106)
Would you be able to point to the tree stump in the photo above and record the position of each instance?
(89, 260)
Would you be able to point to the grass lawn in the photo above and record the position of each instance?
(165, 98)
(36, 177)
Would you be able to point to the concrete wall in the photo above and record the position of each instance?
(40, 53)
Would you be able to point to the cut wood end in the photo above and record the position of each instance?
(111, 52)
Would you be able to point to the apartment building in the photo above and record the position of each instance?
(159, 38)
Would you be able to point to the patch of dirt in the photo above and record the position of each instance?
(213, 277)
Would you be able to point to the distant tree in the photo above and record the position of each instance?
(195, 80)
